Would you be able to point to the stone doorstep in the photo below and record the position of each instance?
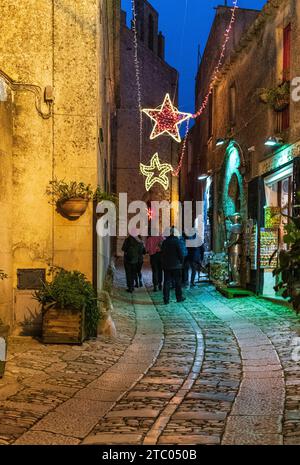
(113, 439)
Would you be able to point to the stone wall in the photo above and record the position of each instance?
(67, 45)
(202, 143)
(6, 296)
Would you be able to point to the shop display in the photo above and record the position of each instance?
(268, 246)
(272, 217)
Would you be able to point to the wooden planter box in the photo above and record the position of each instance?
(63, 326)
(4, 330)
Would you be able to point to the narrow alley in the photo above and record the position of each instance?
(208, 371)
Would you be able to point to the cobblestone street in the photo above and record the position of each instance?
(209, 371)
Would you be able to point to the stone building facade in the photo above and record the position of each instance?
(157, 79)
(245, 174)
(70, 49)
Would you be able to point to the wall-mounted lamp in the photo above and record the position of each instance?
(205, 176)
(202, 177)
(274, 141)
(221, 142)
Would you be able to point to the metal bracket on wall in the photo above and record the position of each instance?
(40, 96)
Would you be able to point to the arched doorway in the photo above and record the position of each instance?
(231, 197)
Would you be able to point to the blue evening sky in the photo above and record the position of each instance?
(199, 17)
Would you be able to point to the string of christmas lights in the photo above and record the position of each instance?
(220, 62)
(211, 85)
(179, 167)
(137, 75)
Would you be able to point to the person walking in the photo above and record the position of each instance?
(153, 248)
(172, 261)
(142, 252)
(131, 249)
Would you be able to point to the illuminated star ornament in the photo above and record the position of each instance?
(156, 172)
(167, 119)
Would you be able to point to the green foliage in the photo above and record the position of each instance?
(71, 289)
(277, 97)
(3, 275)
(100, 196)
(288, 269)
(60, 191)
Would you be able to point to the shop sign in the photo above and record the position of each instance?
(280, 158)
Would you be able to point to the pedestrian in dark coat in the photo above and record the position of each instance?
(172, 261)
(131, 249)
(153, 248)
(142, 252)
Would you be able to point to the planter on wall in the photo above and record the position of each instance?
(4, 330)
(73, 208)
(63, 326)
(281, 104)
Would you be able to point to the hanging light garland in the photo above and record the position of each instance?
(167, 117)
(211, 85)
(137, 75)
(220, 61)
(156, 172)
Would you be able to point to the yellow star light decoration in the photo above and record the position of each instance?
(149, 172)
(167, 119)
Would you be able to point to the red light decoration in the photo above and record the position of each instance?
(220, 62)
(167, 119)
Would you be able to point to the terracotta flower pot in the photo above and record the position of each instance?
(74, 208)
(281, 104)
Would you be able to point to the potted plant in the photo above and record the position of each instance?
(288, 270)
(69, 308)
(100, 196)
(71, 198)
(278, 97)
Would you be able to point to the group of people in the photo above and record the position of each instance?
(171, 261)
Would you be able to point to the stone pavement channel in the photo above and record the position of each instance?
(209, 371)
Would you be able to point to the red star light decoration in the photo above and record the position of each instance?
(167, 119)
(156, 172)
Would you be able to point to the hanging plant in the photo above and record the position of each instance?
(72, 198)
(100, 196)
(277, 98)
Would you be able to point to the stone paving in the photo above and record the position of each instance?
(208, 371)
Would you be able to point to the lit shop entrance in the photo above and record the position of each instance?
(279, 200)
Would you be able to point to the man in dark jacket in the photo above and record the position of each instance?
(131, 249)
(172, 261)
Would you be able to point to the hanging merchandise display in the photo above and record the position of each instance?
(167, 119)
(156, 172)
